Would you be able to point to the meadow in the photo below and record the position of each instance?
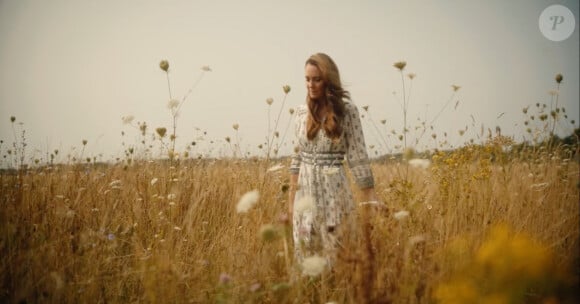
(491, 221)
(464, 229)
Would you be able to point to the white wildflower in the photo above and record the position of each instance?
(173, 104)
(154, 181)
(275, 168)
(171, 196)
(115, 184)
(420, 163)
(127, 120)
(416, 239)
(313, 266)
(304, 204)
(539, 187)
(247, 201)
(401, 215)
(176, 228)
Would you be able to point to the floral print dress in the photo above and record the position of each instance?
(320, 165)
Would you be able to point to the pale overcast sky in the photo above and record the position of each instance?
(72, 69)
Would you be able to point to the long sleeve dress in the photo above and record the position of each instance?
(320, 165)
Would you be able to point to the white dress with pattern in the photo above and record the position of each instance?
(320, 165)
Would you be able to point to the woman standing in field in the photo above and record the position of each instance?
(328, 131)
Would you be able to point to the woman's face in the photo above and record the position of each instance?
(314, 83)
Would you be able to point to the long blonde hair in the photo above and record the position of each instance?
(334, 94)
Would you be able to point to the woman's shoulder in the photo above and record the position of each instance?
(350, 108)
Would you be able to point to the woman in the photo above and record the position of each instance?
(328, 131)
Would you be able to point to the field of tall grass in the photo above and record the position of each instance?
(488, 222)
(463, 229)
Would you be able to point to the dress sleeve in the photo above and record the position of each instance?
(296, 159)
(356, 152)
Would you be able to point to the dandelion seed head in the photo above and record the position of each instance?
(247, 201)
(313, 266)
(236, 126)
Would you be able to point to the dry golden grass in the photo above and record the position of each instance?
(153, 233)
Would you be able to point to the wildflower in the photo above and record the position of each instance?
(291, 110)
(12, 119)
(268, 233)
(400, 215)
(304, 204)
(84, 142)
(416, 239)
(400, 65)
(366, 108)
(227, 139)
(409, 153)
(154, 181)
(206, 68)
(455, 87)
(313, 266)
(161, 132)
(164, 65)
(176, 228)
(284, 218)
(247, 201)
(255, 287)
(115, 183)
(110, 236)
(225, 278)
(419, 163)
(559, 78)
(275, 168)
(383, 121)
(236, 126)
(171, 196)
(269, 101)
(127, 120)
(411, 75)
(173, 104)
(286, 89)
